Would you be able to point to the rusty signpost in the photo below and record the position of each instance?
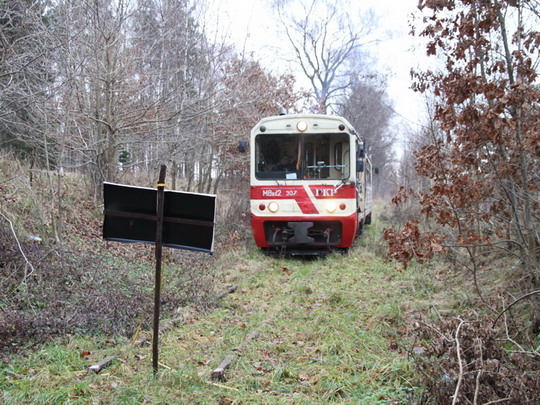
(161, 217)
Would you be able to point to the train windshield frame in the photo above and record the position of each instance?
(307, 156)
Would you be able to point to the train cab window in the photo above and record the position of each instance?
(276, 157)
(299, 157)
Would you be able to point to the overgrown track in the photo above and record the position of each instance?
(317, 332)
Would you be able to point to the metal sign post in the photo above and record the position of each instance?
(164, 218)
(160, 202)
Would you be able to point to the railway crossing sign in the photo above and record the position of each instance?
(161, 217)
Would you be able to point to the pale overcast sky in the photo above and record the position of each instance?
(253, 27)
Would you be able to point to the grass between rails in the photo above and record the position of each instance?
(328, 331)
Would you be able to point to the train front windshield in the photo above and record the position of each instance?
(302, 157)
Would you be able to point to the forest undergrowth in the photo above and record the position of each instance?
(82, 284)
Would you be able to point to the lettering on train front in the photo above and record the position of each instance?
(325, 192)
(271, 193)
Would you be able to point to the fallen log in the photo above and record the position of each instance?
(229, 290)
(219, 373)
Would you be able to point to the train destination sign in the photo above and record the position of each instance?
(130, 216)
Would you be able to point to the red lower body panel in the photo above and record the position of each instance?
(304, 231)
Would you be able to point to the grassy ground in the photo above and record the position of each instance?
(315, 332)
(337, 330)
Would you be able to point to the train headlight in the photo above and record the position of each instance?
(301, 126)
(330, 206)
(273, 207)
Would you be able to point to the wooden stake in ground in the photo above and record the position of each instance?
(219, 373)
(229, 290)
(96, 368)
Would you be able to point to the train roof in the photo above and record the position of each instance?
(294, 118)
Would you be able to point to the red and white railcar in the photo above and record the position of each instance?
(310, 183)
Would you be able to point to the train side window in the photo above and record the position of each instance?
(346, 168)
(338, 156)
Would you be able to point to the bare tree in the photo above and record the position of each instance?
(126, 84)
(324, 39)
(248, 92)
(138, 84)
(26, 44)
(179, 61)
(369, 110)
(101, 98)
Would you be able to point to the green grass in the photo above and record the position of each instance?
(326, 333)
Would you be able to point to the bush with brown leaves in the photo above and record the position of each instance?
(469, 359)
